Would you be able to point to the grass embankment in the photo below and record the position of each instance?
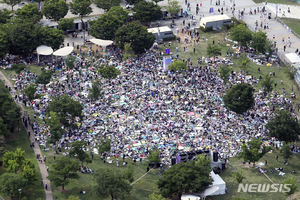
(290, 2)
(294, 24)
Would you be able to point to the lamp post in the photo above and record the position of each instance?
(20, 191)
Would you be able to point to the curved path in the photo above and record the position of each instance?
(36, 148)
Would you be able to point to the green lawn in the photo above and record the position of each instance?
(141, 190)
(20, 140)
(254, 176)
(294, 24)
(292, 2)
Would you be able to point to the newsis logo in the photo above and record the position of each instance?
(263, 188)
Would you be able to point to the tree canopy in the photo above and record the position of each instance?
(153, 157)
(55, 126)
(55, 9)
(185, 177)
(29, 12)
(284, 127)
(44, 77)
(107, 4)
(104, 145)
(12, 3)
(64, 169)
(112, 183)
(66, 24)
(225, 73)
(239, 98)
(135, 34)
(106, 26)
(30, 91)
(213, 50)
(77, 151)
(10, 183)
(241, 34)
(267, 83)
(146, 12)
(253, 150)
(66, 108)
(109, 72)
(95, 91)
(259, 41)
(177, 66)
(173, 7)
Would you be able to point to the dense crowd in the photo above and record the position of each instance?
(146, 107)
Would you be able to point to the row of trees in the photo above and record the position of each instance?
(257, 40)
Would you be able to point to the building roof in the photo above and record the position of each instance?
(214, 18)
(293, 58)
(159, 29)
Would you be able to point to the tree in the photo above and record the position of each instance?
(173, 7)
(77, 151)
(259, 41)
(153, 157)
(128, 174)
(5, 16)
(128, 51)
(286, 151)
(267, 83)
(243, 61)
(66, 24)
(225, 73)
(156, 1)
(156, 196)
(120, 12)
(10, 183)
(146, 12)
(66, 108)
(284, 127)
(104, 145)
(30, 91)
(132, 2)
(23, 36)
(28, 172)
(12, 3)
(291, 182)
(184, 177)
(52, 37)
(107, 4)
(55, 9)
(135, 34)
(111, 182)
(55, 126)
(253, 151)
(29, 12)
(4, 45)
(64, 169)
(3, 129)
(239, 98)
(239, 176)
(106, 26)
(95, 91)
(109, 72)
(44, 77)
(81, 8)
(213, 50)
(70, 61)
(241, 34)
(177, 65)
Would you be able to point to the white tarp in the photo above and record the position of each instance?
(63, 51)
(218, 186)
(102, 43)
(190, 197)
(44, 50)
(292, 58)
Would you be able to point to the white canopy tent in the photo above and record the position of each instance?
(65, 51)
(43, 50)
(102, 43)
(292, 58)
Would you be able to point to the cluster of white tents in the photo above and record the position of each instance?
(65, 51)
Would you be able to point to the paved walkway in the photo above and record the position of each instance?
(36, 148)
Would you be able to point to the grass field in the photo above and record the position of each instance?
(294, 24)
(254, 176)
(20, 140)
(291, 2)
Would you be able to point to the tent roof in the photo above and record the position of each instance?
(44, 50)
(100, 42)
(214, 18)
(63, 51)
(161, 29)
(293, 58)
(217, 180)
